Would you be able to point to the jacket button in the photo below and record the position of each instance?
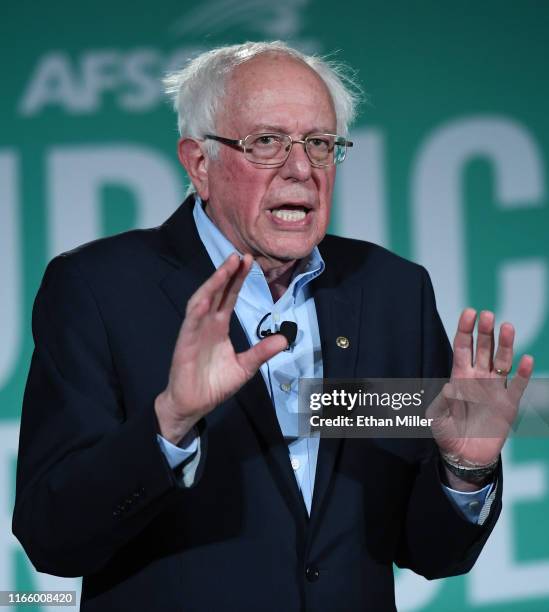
(312, 573)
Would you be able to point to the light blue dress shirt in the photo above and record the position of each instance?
(282, 372)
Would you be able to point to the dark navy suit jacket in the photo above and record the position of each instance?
(96, 497)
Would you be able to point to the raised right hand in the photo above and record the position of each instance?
(205, 369)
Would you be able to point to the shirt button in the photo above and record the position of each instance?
(295, 463)
(286, 387)
(474, 505)
(312, 573)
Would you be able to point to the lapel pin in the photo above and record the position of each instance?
(342, 342)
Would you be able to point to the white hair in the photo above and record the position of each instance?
(197, 90)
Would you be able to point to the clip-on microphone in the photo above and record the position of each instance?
(287, 328)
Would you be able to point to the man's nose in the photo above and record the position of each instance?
(297, 165)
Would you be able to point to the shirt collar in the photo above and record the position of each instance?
(219, 248)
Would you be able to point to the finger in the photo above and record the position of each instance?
(520, 381)
(230, 296)
(216, 283)
(485, 342)
(253, 358)
(233, 265)
(503, 359)
(463, 340)
(191, 325)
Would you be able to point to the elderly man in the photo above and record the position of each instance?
(159, 452)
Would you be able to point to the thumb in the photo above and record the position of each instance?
(254, 357)
(439, 407)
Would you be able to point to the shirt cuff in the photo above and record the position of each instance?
(176, 455)
(474, 505)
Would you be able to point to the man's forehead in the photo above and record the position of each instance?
(267, 92)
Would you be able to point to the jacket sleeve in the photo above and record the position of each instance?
(89, 479)
(436, 539)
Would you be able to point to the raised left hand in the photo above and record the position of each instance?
(474, 412)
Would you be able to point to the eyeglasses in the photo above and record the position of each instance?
(271, 149)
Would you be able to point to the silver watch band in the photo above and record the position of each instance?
(475, 474)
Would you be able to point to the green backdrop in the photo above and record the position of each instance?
(448, 169)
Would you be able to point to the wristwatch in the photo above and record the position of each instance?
(469, 472)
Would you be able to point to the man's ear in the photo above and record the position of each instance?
(195, 163)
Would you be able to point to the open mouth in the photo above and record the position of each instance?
(290, 212)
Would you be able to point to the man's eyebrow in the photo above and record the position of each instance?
(264, 127)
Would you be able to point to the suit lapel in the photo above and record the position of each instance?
(338, 312)
(183, 249)
(191, 267)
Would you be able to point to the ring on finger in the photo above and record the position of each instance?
(501, 372)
